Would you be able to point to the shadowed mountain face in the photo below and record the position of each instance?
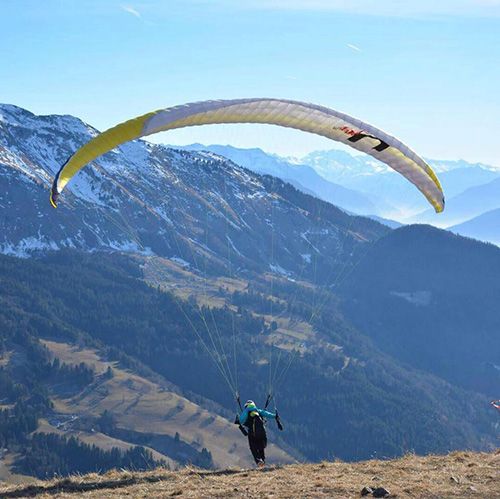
(430, 299)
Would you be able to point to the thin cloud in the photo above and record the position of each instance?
(391, 8)
(131, 10)
(354, 47)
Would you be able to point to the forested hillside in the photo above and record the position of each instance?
(334, 400)
(434, 305)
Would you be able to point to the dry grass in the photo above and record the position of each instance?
(7, 476)
(184, 284)
(459, 474)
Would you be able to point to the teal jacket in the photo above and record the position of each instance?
(262, 413)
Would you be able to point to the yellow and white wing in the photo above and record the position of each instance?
(286, 113)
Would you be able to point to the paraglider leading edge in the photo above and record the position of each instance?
(303, 116)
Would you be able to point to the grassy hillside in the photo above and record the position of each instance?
(459, 474)
(149, 409)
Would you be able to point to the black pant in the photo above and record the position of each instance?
(257, 446)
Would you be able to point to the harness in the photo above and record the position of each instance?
(256, 425)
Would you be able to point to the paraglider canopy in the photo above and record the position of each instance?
(286, 113)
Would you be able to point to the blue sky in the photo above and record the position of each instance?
(427, 72)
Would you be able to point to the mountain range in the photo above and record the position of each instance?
(484, 227)
(467, 205)
(166, 278)
(302, 176)
(359, 184)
